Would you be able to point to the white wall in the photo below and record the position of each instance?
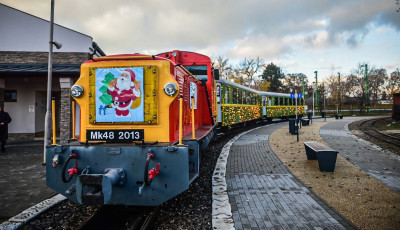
(24, 121)
(40, 110)
(23, 32)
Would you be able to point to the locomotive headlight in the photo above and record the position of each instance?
(77, 91)
(170, 89)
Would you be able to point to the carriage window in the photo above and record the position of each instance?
(244, 97)
(234, 96)
(239, 96)
(200, 71)
(227, 95)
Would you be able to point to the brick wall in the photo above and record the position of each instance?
(65, 116)
(42, 57)
(13, 57)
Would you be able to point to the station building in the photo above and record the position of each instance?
(24, 51)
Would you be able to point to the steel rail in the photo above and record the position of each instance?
(121, 217)
(376, 133)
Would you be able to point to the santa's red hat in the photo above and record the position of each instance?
(131, 73)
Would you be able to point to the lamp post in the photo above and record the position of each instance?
(302, 84)
(313, 99)
(366, 87)
(316, 88)
(48, 117)
(323, 94)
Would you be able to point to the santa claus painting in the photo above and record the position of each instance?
(121, 90)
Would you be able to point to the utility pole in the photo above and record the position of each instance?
(297, 117)
(302, 83)
(316, 93)
(48, 117)
(366, 89)
(313, 103)
(339, 97)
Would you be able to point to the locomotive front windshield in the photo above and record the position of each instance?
(200, 71)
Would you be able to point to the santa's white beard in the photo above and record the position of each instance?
(123, 84)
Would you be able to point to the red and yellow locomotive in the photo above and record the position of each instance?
(142, 123)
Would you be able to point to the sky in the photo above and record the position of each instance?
(299, 36)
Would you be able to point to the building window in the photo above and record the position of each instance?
(10, 95)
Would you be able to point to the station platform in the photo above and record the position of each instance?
(254, 188)
(23, 178)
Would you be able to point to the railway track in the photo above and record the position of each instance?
(121, 217)
(368, 128)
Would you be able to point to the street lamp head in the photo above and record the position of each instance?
(56, 44)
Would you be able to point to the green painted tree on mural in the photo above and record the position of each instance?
(105, 97)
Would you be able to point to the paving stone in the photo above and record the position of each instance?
(23, 179)
(264, 193)
(382, 165)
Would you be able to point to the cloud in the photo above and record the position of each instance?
(270, 29)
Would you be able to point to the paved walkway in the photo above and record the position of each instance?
(383, 165)
(262, 193)
(22, 179)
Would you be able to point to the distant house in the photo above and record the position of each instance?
(24, 47)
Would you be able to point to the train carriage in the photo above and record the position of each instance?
(280, 105)
(237, 104)
(142, 124)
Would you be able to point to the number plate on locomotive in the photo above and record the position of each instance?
(115, 135)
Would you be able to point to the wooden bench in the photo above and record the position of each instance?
(325, 155)
(305, 121)
(337, 116)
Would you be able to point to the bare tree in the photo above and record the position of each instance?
(223, 65)
(332, 89)
(249, 67)
(393, 84)
(294, 81)
(352, 91)
(376, 80)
